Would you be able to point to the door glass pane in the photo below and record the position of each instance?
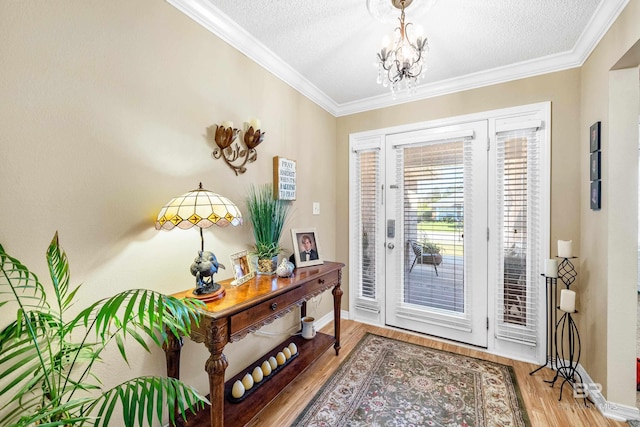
(433, 177)
(515, 230)
(518, 216)
(368, 171)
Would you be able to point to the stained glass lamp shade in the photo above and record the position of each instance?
(200, 208)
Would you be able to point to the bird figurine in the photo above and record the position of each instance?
(204, 266)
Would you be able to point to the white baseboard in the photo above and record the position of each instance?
(611, 410)
(328, 318)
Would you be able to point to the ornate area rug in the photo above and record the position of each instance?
(385, 382)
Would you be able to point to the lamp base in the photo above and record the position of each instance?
(209, 293)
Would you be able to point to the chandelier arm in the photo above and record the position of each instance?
(415, 75)
(408, 40)
(388, 62)
(398, 33)
(387, 67)
(383, 61)
(398, 75)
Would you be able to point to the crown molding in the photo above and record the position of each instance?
(210, 17)
(470, 81)
(214, 20)
(602, 19)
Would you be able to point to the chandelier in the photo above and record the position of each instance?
(404, 59)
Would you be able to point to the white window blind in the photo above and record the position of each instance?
(367, 211)
(433, 177)
(518, 230)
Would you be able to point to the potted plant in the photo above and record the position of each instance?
(267, 216)
(430, 253)
(47, 360)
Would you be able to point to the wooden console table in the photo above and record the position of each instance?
(243, 310)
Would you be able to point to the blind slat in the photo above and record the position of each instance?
(518, 216)
(367, 194)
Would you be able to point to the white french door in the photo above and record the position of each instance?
(449, 227)
(435, 196)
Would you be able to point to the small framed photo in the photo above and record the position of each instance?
(242, 270)
(594, 136)
(595, 195)
(595, 166)
(306, 247)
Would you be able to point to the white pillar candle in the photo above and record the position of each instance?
(568, 301)
(255, 124)
(564, 248)
(551, 268)
(227, 124)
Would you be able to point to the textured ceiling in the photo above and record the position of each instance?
(327, 48)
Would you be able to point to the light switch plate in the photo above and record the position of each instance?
(316, 208)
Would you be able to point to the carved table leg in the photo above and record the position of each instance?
(172, 348)
(215, 340)
(337, 298)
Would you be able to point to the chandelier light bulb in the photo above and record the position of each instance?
(386, 42)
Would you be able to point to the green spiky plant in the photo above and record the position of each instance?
(46, 361)
(267, 216)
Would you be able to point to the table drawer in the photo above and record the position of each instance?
(255, 315)
(322, 282)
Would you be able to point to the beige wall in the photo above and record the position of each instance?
(104, 109)
(608, 256)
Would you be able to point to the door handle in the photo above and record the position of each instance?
(391, 245)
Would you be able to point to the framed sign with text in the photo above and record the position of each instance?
(284, 178)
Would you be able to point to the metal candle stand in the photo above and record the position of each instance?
(560, 329)
(550, 299)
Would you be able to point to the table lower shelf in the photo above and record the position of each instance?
(239, 414)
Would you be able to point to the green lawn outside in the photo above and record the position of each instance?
(438, 226)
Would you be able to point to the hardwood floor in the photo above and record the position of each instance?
(541, 401)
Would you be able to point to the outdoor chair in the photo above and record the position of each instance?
(419, 253)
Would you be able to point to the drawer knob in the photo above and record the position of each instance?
(321, 281)
(274, 306)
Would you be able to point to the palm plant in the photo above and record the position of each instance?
(267, 215)
(46, 362)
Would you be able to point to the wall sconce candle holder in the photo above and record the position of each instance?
(235, 155)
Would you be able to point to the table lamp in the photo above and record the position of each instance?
(203, 209)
